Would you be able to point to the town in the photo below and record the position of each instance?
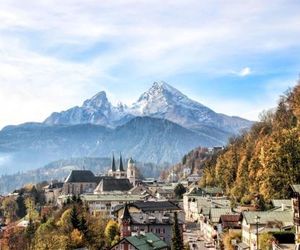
(144, 214)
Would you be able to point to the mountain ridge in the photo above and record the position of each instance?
(160, 101)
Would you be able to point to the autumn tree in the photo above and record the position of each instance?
(111, 232)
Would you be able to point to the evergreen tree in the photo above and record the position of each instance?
(177, 241)
(74, 217)
(21, 211)
(30, 232)
(82, 226)
(179, 190)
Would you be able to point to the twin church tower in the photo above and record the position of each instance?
(121, 173)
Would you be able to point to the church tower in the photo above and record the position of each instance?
(121, 173)
(131, 171)
(112, 171)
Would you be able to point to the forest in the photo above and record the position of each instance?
(263, 161)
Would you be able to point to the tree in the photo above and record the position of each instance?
(265, 241)
(74, 217)
(9, 206)
(177, 241)
(29, 232)
(31, 208)
(111, 232)
(82, 226)
(179, 190)
(21, 211)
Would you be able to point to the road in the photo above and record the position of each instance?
(194, 238)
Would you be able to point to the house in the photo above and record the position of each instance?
(230, 221)
(264, 221)
(147, 241)
(193, 178)
(106, 203)
(145, 220)
(296, 210)
(53, 191)
(198, 199)
(149, 207)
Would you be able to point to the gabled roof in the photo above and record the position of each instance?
(231, 221)
(126, 214)
(216, 213)
(280, 203)
(113, 184)
(80, 176)
(146, 206)
(151, 206)
(149, 241)
(296, 188)
(285, 217)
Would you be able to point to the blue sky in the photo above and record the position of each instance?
(236, 57)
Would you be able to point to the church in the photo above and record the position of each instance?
(117, 180)
(121, 173)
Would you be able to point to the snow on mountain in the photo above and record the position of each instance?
(160, 101)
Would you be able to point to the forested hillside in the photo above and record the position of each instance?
(264, 160)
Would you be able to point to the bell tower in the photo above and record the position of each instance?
(131, 171)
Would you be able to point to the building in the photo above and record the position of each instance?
(296, 210)
(109, 185)
(104, 203)
(53, 191)
(269, 221)
(79, 182)
(119, 172)
(131, 171)
(198, 199)
(147, 217)
(147, 241)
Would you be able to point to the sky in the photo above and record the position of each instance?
(236, 57)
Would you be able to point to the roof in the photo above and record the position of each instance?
(151, 206)
(121, 168)
(110, 197)
(113, 164)
(81, 176)
(296, 188)
(148, 241)
(146, 206)
(285, 217)
(113, 184)
(131, 161)
(126, 214)
(197, 191)
(158, 218)
(230, 221)
(216, 213)
(279, 203)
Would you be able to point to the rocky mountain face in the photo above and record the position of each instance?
(160, 101)
(161, 126)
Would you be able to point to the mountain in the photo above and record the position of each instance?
(146, 139)
(97, 110)
(161, 126)
(160, 101)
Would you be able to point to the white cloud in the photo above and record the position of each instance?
(245, 72)
(144, 39)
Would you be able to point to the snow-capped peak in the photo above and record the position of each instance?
(97, 101)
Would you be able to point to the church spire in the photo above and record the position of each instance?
(121, 168)
(113, 164)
